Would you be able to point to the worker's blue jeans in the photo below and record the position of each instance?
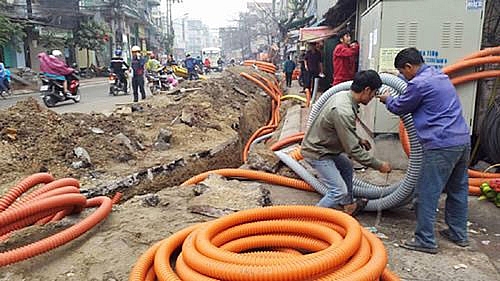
(443, 169)
(335, 173)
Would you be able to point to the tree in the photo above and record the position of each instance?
(50, 41)
(290, 17)
(10, 32)
(91, 35)
(167, 42)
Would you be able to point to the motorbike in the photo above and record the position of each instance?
(52, 91)
(116, 86)
(154, 82)
(159, 80)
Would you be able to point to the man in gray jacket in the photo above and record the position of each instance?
(333, 133)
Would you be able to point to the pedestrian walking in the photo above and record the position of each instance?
(433, 101)
(288, 68)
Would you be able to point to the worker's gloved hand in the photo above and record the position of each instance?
(365, 144)
(385, 168)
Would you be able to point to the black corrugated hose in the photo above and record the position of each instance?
(490, 134)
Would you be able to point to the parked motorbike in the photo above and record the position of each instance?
(116, 86)
(160, 80)
(154, 82)
(52, 91)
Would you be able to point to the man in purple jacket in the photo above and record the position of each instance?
(432, 100)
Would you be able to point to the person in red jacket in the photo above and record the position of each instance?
(344, 59)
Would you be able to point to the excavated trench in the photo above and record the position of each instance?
(226, 154)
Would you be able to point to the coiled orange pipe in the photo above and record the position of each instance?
(335, 247)
(49, 203)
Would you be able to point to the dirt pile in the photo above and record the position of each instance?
(35, 139)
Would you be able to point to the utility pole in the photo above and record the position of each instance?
(29, 34)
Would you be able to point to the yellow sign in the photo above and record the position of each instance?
(386, 59)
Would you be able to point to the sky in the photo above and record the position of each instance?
(214, 13)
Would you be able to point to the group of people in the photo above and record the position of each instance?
(195, 65)
(441, 129)
(344, 59)
(54, 67)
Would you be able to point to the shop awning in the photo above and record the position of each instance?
(313, 34)
(318, 33)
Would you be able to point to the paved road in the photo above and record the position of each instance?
(94, 98)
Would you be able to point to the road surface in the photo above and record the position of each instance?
(94, 98)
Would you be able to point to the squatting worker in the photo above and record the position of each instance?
(441, 129)
(333, 133)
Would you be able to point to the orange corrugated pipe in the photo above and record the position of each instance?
(475, 76)
(271, 89)
(287, 141)
(479, 181)
(271, 84)
(483, 53)
(474, 190)
(257, 62)
(296, 154)
(252, 175)
(471, 62)
(337, 247)
(478, 174)
(261, 85)
(50, 203)
(261, 131)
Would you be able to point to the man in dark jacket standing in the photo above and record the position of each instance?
(138, 63)
(313, 61)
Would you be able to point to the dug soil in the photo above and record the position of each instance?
(183, 125)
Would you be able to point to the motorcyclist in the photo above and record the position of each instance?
(54, 67)
(119, 66)
(170, 60)
(207, 65)
(191, 67)
(4, 78)
(138, 63)
(152, 65)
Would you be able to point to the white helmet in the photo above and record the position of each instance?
(136, 49)
(57, 53)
